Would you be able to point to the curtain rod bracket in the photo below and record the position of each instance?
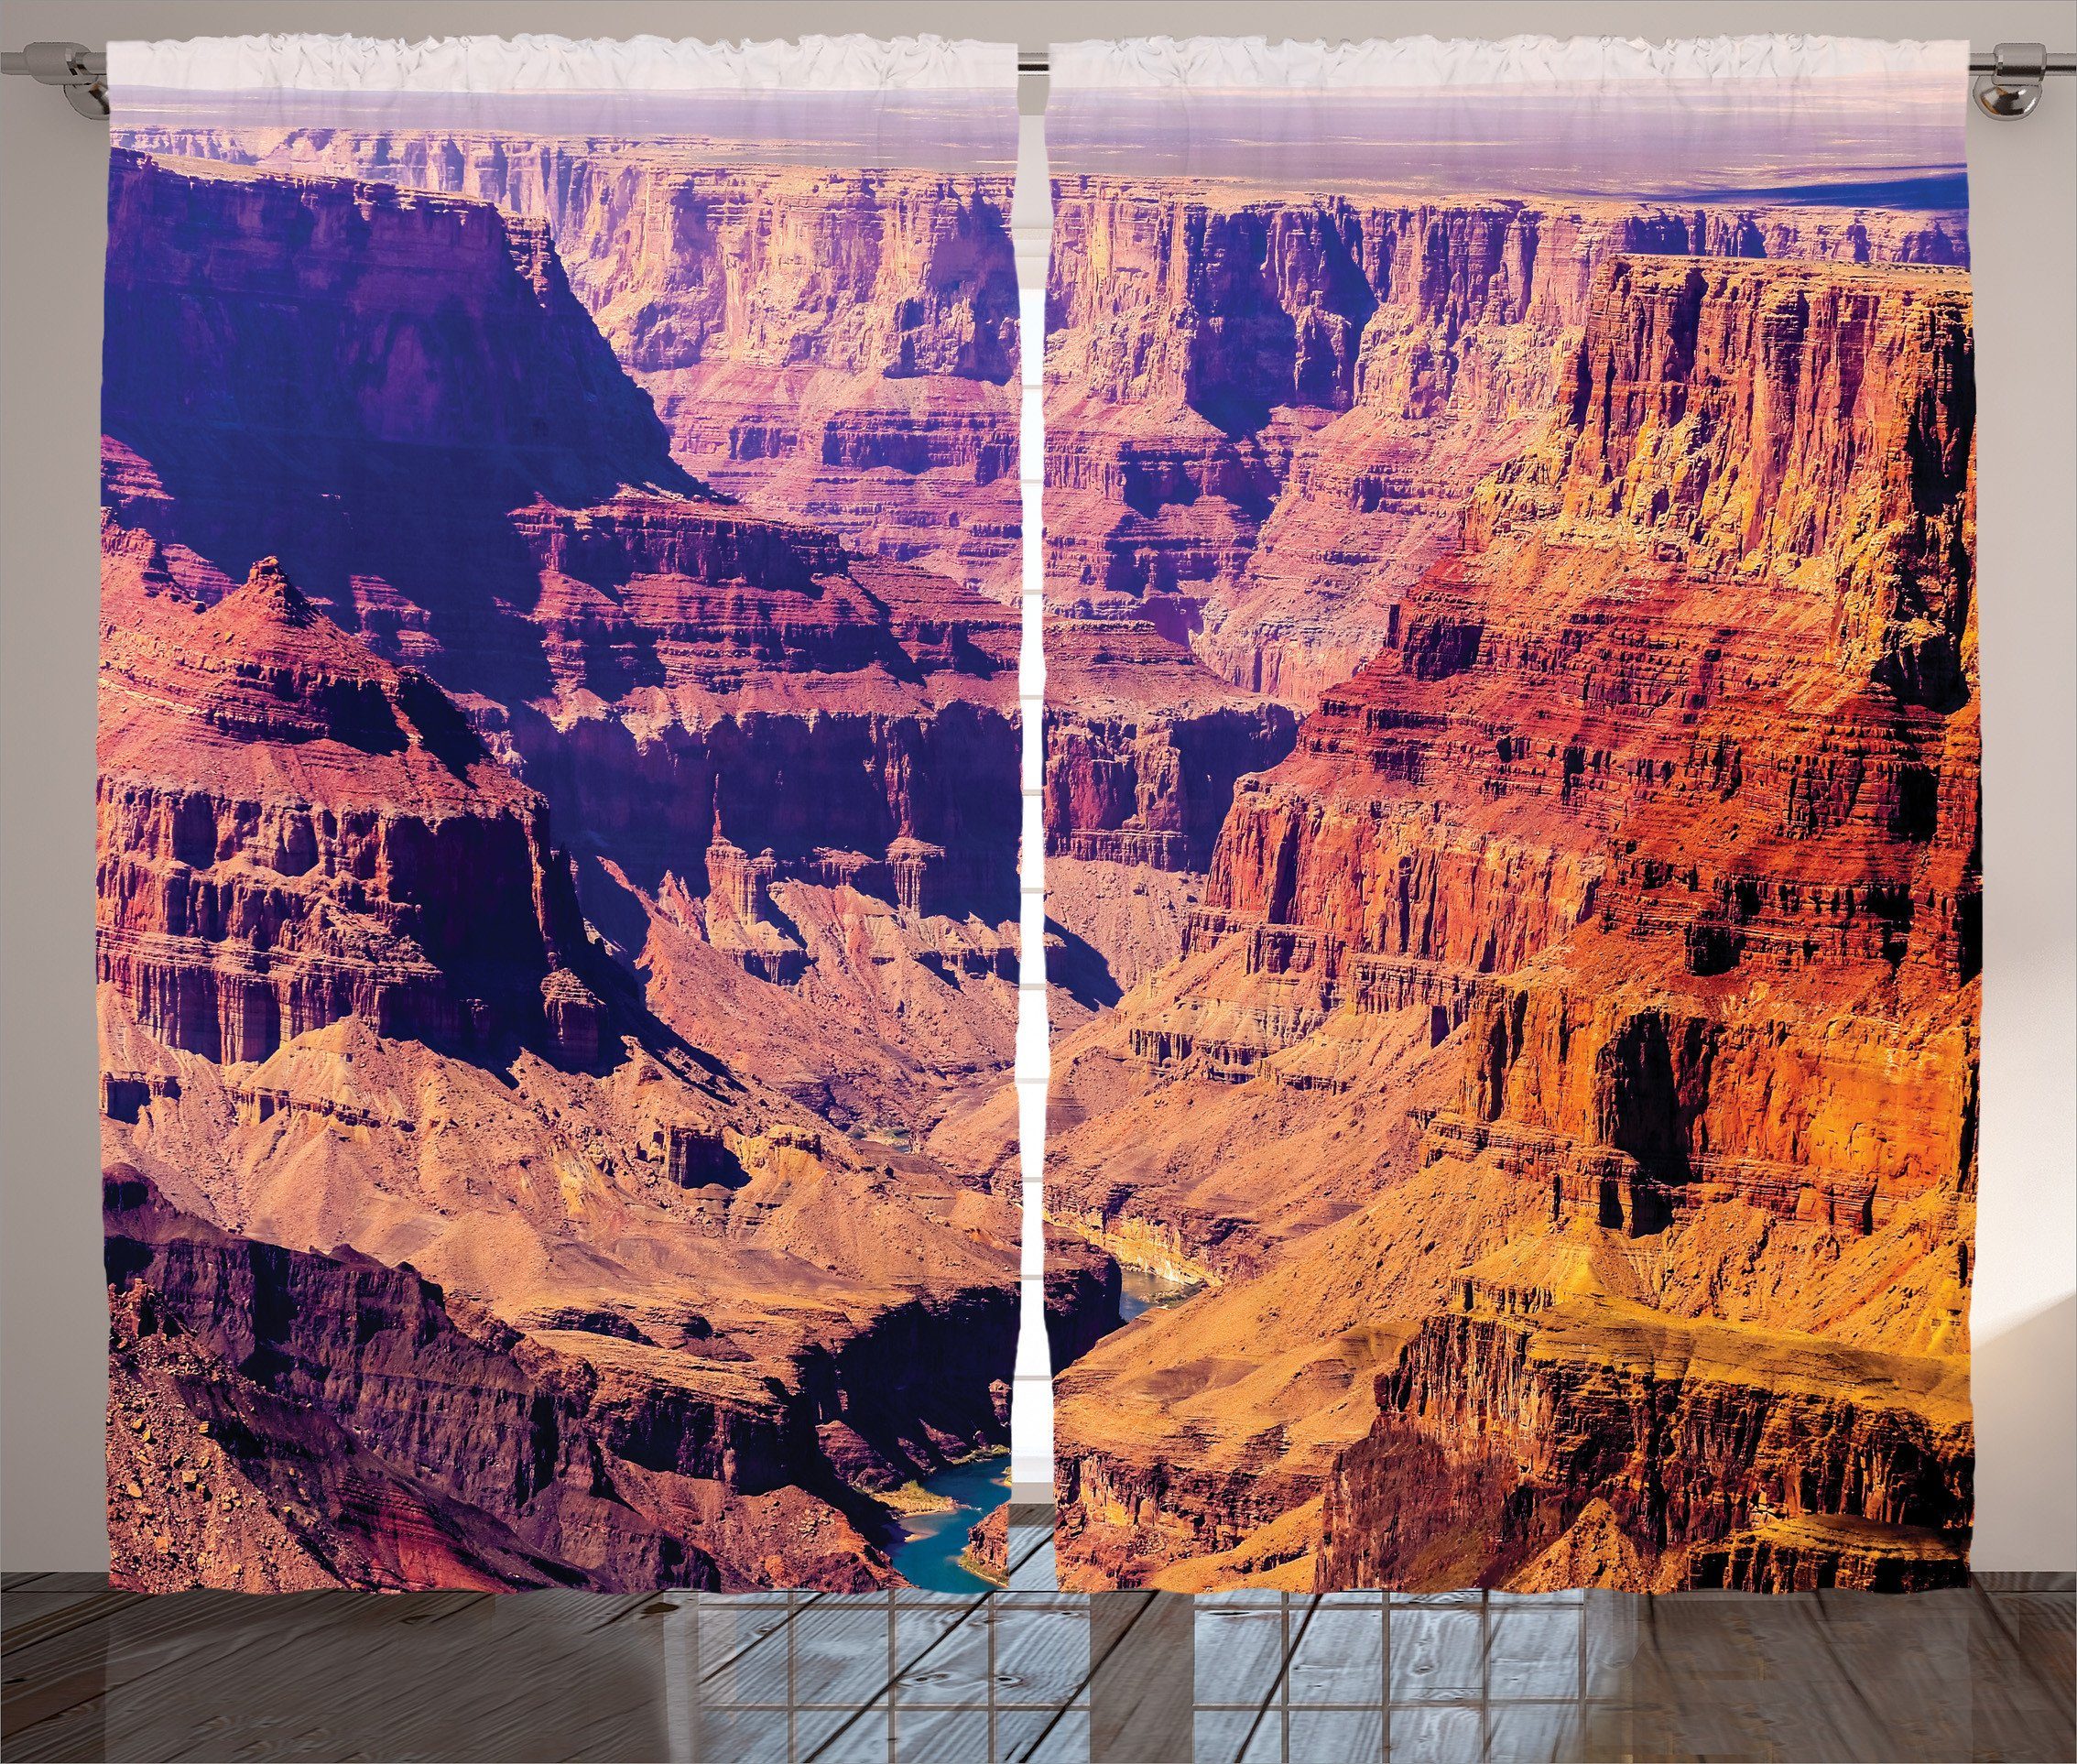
(2011, 85)
(79, 72)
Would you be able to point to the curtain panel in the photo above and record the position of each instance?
(1512, 794)
(558, 811)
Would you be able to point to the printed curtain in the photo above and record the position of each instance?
(559, 811)
(1512, 791)
(1510, 796)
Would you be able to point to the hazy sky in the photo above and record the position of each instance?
(939, 131)
(1894, 142)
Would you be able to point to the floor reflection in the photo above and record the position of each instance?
(916, 1677)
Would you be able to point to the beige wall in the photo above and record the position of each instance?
(2024, 229)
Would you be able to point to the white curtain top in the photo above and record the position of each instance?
(1214, 63)
(525, 64)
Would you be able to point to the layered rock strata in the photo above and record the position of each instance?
(1143, 747)
(1600, 968)
(667, 668)
(295, 831)
(628, 1123)
(1707, 1456)
(987, 1548)
(1264, 412)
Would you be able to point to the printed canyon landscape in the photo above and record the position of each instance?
(1510, 808)
(1512, 856)
(558, 853)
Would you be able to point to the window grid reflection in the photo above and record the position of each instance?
(900, 1677)
(1293, 1678)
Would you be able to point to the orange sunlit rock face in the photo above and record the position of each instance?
(1561, 1081)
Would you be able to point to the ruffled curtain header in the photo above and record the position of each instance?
(539, 63)
(852, 62)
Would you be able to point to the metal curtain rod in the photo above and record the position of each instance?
(2009, 82)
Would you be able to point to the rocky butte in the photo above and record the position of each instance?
(546, 909)
(1568, 1080)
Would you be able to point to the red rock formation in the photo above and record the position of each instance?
(1264, 412)
(340, 1370)
(1143, 747)
(1768, 422)
(346, 320)
(294, 831)
(1607, 943)
(1708, 1449)
(987, 1548)
(393, 1437)
(640, 1243)
(1266, 415)
(656, 663)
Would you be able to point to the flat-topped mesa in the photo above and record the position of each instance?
(1808, 424)
(1144, 745)
(1266, 412)
(824, 342)
(653, 592)
(1205, 296)
(365, 382)
(294, 831)
(649, 536)
(704, 601)
(356, 328)
(916, 265)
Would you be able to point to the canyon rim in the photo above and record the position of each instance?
(558, 811)
(1512, 817)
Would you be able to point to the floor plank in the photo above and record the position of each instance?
(1039, 1677)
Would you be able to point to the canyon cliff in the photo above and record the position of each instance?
(628, 1119)
(672, 671)
(1266, 415)
(1568, 1083)
(1144, 745)
(296, 830)
(829, 344)
(1265, 412)
(348, 1000)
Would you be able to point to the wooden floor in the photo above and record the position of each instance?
(918, 1678)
